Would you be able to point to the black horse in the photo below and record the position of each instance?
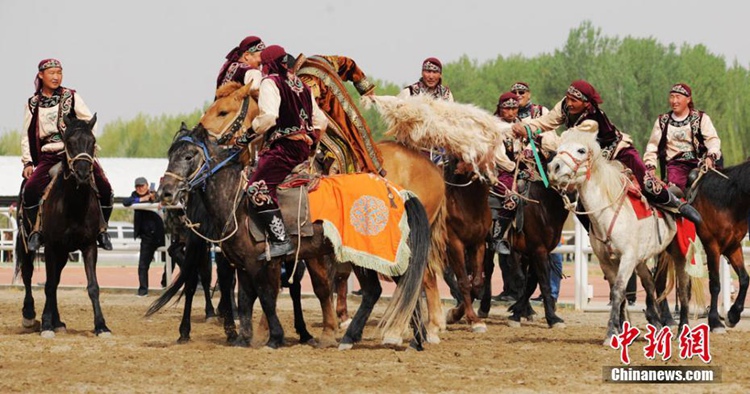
(195, 159)
(72, 220)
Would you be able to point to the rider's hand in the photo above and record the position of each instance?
(709, 163)
(27, 171)
(519, 130)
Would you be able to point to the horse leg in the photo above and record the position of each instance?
(456, 259)
(736, 259)
(475, 256)
(246, 295)
(322, 288)
(434, 306)
(624, 273)
(26, 261)
(522, 307)
(205, 278)
(371, 291)
(541, 264)
(660, 281)
(486, 296)
(647, 281)
(226, 274)
(50, 314)
(343, 271)
(714, 286)
(268, 292)
(92, 287)
(683, 286)
(295, 292)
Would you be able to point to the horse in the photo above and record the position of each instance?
(724, 203)
(72, 221)
(404, 166)
(191, 151)
(544, 216)
(621, 241)
(468, 222)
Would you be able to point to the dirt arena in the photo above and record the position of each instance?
(143, 356)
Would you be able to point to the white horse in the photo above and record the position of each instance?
(620, 241)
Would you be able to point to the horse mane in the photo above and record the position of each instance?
(227, 89)
(608, 174)
(725, 193)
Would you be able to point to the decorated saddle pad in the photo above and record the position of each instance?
(363, 217)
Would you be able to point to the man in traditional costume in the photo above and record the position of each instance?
(681, 139)
(431, 83)
(291, 122)
(42, 145)
(580, 108)
(527, 110)
(242, 63)
(348, 144)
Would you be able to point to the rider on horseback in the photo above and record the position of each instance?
(42, 146)
(291, 122)
(682, 139)
(580, 108)
(242, 64)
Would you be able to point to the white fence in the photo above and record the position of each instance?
(581, 249)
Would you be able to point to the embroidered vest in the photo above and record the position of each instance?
(295, 112)
(532, 111)
(699, 145)
(440, 92)
(608, 136)
(64, 98)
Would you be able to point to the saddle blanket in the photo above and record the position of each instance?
(642, 208)
(364, 218)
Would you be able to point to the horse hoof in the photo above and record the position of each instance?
(345, 324)
(346, 346)
(433, 339)
(31, 324)
(312, 342)
(607, 342)
(61, 330)
(482, 314)
(182, 340)
(718, 330)
(48, 334)
(531, 318)
(104, 334)
(324, 343)
(514, 324)
(393, 341)
(559, 325)
(479, 328)
(212, 319)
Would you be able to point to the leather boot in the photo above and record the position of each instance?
(686, 210)
(500, 243)
(279, 243)
(35, 237)
(103, 239)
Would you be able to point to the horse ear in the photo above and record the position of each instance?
(183, 126)
(243, 92)
(92, 122)
(67, 120)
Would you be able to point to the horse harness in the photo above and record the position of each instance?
(231, 129)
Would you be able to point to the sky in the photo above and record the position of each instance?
(162, 56)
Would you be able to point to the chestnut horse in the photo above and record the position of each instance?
(724, 204)
(405, 166)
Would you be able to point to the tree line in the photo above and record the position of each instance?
(633, 76)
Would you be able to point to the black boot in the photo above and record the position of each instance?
(686, 210)
(279, 243)
(499, 227)
(35, 237)
(103, 239)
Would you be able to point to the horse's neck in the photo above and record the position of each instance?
(221, 191)
(598, 194)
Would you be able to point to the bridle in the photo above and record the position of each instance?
(204, 170)
(232, 128)
(83, 156)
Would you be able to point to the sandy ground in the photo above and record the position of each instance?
(143, 356)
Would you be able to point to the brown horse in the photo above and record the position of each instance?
(468, 221)
(405, 167)
(724, 204)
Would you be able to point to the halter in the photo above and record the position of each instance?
(200, 175)
(83, 156)
(234, 127)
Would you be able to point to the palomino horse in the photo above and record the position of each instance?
(72, 220)
(724, 204)
(544, 216)
(620, 241)
(405, 166)
(187, 157)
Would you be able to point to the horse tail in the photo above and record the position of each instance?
(404, 301)
(665, 266)
(438, 236)
(167, 295)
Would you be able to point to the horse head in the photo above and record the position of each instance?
(187, 154)
(79, 143)
(231, 113)
(571, 165)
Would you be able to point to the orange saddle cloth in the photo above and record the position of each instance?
(364, 218)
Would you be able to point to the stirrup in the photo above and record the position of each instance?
(277, 249)
(104, 241)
